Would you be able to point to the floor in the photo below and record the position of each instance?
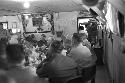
(102, 75)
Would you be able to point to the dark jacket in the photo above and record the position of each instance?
(58, 66)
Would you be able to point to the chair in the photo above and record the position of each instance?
(89, 73)
(77, 79)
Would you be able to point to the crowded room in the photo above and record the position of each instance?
(62, 41)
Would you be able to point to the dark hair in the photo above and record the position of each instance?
(43, 35)
(57, 46)
(77, 38)
(15, 53)
(83, 35)
(32, 35)
(4, 40)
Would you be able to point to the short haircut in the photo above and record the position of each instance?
(77, 38)
(15, 53)
(57, 46)
(43, 35)
(83, 35)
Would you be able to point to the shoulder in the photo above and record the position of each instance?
(22, 75)
(86, 50)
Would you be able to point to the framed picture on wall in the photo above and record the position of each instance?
(14, 24)
(4, 25)
(41, 23)
(3, 28)
(37, 21)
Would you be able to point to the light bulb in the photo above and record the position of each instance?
(26, 4)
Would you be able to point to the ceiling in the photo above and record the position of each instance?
(13, 7)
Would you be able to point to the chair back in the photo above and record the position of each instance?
(89, 73)
(77, 79)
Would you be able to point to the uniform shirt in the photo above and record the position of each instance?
(82, 55)
(59, 67)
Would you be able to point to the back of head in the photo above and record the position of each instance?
(84, 32)
(57, 46)
(43, 35)
(50, 40)
(15, 53)
(83, 36)
(76, 38)
(32, 35)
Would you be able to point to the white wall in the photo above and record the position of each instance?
(66, 21)
(11, 20)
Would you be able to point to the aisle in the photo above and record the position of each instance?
(102, 75)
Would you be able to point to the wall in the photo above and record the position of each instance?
(11, 20)
(63, 21)
(66, 22)
(115, 58)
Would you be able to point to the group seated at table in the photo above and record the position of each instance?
(54, 60)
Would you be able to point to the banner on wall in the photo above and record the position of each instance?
(39, 23)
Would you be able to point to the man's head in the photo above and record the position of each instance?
(50, 40)
(84, 32)
(57, 46)
(32, 36)
(15, 53)
(43, 36)
(76, 39)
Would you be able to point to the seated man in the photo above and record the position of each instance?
(81, 54)
(84, 36)
(57, 67)
(16, 70)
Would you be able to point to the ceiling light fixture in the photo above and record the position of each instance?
(26, 4)
(23, 0)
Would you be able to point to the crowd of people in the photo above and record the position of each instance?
(49, 59)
